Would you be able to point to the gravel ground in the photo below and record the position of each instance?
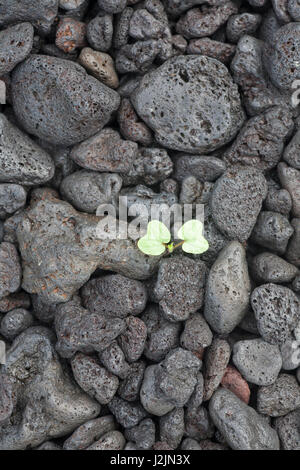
(161, 101)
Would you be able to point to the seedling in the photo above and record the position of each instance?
(157, 239)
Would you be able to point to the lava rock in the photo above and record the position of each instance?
(161, 101)
(57, 101)
(276, 310)
(280, 398)
(258, 361)
(242, 427)
(236, 201)
(15, 45)
(228, 289)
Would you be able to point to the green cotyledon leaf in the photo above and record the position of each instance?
(194, 241)
(155, 240)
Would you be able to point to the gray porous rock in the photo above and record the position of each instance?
(204, 168)
(48, 268)
(280, 398)
(57, 407)
(171, 427)
(127, 414)
(113, 358)
(260, 142)
(12, 198)
(99, 32)
(79, 330)
(216, 361)
(196, 335)
(57, 101)
(114, 295)
(15, 321)
(130, 387)
(87, 190)
(272, 231)
(10, 269)
(242, 427)
(105, 151)
(89, 432)
(142, 435)
(93, 379)
(288, 428)
(177, 300)
(228, 289)
(170, 383)
(259, 362)
(151, 166)
(292, 151)
(293, 248)
(215, 49)
(197, 23)
(15, 45)
(113, 440)
(239, 25)
(21, 159)
(290, 180)
(112, 6)
(159, 99)
(162, 335)
(40, 13)
(282, 55)
(278, 200)
(276, 310)
(268, 267)
(132, 340)
(236, 201)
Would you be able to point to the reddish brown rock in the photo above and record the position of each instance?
(233, 381)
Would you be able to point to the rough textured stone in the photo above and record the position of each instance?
(276, 310)
(239, 25)
(21, 159)
(258, 361)
(99, 33)
(59, 405)
(242, 427)
(272, 231)
(105, 151)
(290, 180)
(79, 330)
(48, 268)
(15, 45)
(142, 435)
(10, 269)
(114, 295)
(288, 428)
(57, 101)
(216, 361)
(89, 432)
(162, 335)
(260, 142)
(42, 15)
(196, 23)
(236, 201)
(87, 190)
(280, 398)
(100, 65)
(233, 381)
(93, 379)
(70, 35)
(113, 440)
(14, 322)
(228, 289)
(215, 49)
(196, 335)
(268, 267)
(177, 300)
(160, 96)
(12, 198)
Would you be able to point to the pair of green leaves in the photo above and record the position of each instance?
(158, 237)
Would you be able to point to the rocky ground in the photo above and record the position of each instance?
(188, 101)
